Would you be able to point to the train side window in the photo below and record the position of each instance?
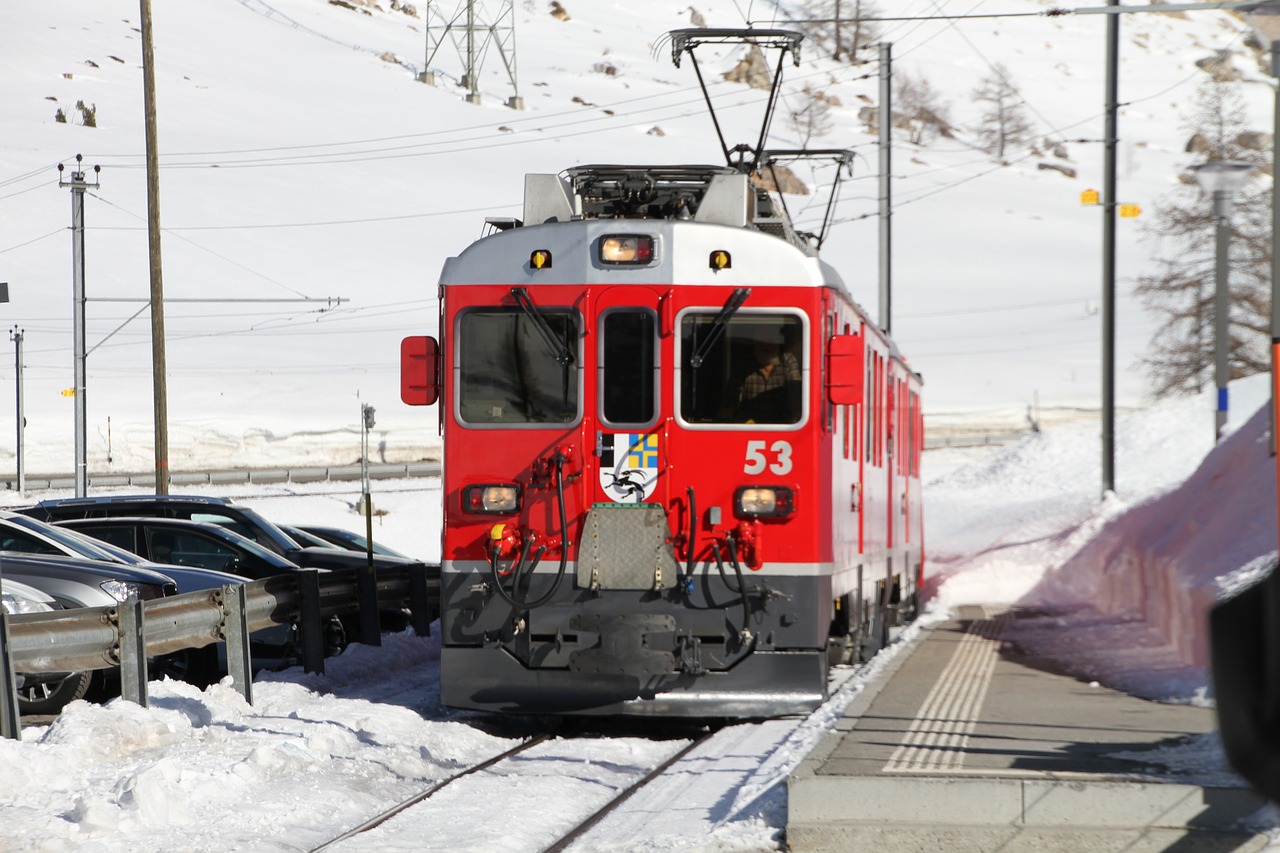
(511, 371)
(628, 367)
(869, 416)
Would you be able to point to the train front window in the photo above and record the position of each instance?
(628, 367)
(752, 369)
(510, 370)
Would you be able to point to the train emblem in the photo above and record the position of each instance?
(629, 466)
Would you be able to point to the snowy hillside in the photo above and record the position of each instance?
(301, 158)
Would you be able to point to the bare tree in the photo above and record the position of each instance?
(1180, 357)
(840, 26)
(922, 107)
(1004, 123)
(811, 116)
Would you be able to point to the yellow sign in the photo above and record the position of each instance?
(68, 392)
(1089, 197)
(1130, 211)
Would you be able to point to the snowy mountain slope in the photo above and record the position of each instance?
(301, 158)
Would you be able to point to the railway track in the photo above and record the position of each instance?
(536, 758)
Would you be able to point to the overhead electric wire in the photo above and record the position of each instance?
(34, 240)
(218, 255)
(313, 224)
(994, 309)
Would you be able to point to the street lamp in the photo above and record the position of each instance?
(1221, 179)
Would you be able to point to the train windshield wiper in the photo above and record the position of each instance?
(718, 325)
(558, 347)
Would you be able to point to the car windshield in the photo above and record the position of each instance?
(336, 537)
(83, 545)
(260, 531)
(244, 543)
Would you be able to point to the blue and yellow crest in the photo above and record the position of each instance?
(629, 465)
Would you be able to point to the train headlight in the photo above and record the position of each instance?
(501, 497)
(626, 249)
(764, 501)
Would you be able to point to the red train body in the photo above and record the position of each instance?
(681, 468)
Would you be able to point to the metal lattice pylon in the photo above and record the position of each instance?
(473, 30)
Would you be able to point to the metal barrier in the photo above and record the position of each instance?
(126, 635)
(304, 474)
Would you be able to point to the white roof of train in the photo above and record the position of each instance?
(682, 253)
(690, 211)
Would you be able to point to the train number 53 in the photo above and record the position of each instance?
(777, 458)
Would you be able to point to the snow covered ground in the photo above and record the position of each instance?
(316, 756)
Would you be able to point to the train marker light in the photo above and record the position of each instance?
(758, 501)
(540, 259)
(721, 260)
(626, 249)
(491, 498)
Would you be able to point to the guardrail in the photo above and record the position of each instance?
(126, 635)
(302, 474)
(985, 439)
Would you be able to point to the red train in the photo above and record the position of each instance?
(681, 464)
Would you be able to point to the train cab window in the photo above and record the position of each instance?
(749, 369)
(628, 367)
(511, 369)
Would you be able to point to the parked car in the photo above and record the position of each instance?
(26, 535)
(35, 688)
(182, 542)
(196, 551)
(77, 582)
(336, 536)
(271, 648)
(221, 511)
(226, 513)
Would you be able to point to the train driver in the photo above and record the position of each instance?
(771, 392)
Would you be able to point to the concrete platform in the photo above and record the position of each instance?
(960, 745)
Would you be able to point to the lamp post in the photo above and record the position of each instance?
(1221, 179)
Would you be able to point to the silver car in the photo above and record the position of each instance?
(74, 582)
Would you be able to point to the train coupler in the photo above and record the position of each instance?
(627, 644)
(689, 655)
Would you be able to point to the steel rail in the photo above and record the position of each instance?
(382, 817)
(624, 795)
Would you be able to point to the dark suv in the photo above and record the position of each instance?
(226, 513)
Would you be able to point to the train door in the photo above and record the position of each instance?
(628, 439)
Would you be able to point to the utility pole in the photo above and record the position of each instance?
(886, 212)
(78, 185)
(160, 398)
(472, 37)
(16, 336)
(1109, 256)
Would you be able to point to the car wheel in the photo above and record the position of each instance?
(51, 697)
(335, 637)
